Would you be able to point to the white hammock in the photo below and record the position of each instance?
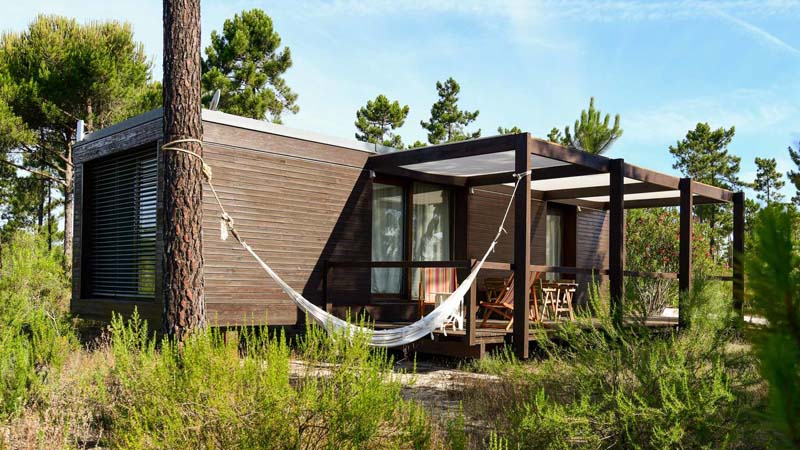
(380, 338)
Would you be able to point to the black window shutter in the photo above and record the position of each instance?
(120, 226)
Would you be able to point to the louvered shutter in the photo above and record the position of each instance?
(120, 226)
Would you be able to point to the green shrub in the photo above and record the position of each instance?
(773, 270)
(611, 388)
(207, 394)
(35, 336)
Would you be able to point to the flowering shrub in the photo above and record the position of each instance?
(653, 245)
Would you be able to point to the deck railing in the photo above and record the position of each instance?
(471, 300)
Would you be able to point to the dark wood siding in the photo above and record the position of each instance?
(592, 246)
(486, 208)
(296, 203)
(120, 139)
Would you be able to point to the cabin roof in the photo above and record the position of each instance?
(241, 122)
(558, 174)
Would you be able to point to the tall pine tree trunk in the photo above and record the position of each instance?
(184, 305)
(68, 208)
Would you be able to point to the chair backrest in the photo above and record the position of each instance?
(507, 297)
(436, 280)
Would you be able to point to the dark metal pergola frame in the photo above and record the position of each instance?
(579, 164)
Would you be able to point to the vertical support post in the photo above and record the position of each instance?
(616, 238)
(522, 246)
(738, 252)
(461, 252)
(685, 255)
(472, 306)
(325, 269)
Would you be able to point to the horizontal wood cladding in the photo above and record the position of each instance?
(592, 247)
(297, 203)
(486, 208)
(143, 134)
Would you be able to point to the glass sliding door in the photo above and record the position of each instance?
(430, 228)
(554, 245)
(388, 222)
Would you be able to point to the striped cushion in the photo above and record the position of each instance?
(437, 280)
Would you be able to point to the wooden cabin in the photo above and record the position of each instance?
(350, 224)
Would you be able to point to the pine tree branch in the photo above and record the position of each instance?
(34, 172)
(52, 152)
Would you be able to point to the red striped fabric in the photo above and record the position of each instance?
(437, 280)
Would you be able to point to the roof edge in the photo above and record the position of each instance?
(222, 118)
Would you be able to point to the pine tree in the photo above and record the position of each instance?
(182, 259)
(54, 73)
(246, 65)
(378, 118)
(590, 134)
(447, 121)
(556, 137)
(513, 130)
(417, 144)
(768, 181)
(794, 175)
(703, 156)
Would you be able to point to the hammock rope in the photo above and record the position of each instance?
(395, 337)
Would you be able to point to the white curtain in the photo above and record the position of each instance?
(387, 237)
(554, 241)
(431, 227)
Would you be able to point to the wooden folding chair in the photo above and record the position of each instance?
(433, 282)
(503, 306)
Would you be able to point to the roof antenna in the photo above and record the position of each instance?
(79, 131)
(214, 101)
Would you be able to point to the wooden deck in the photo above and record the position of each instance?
(453, 342)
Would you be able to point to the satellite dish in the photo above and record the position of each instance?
(214, 101)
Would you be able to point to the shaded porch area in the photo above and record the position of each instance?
(553, 175)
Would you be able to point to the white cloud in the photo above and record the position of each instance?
(585, 10)
(760, 33)
(751, 111)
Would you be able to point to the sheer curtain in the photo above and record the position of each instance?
(554, 241)
(387, 237)
(431, 227)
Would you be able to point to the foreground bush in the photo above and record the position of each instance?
(774, 293)
(35, 336)
(208, 394)
(611, 388)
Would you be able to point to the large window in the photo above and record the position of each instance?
(388, 223)
(431, 229)
(410, 221)
(119, 226)
(554, 245)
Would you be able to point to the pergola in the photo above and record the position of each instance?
(565, 175)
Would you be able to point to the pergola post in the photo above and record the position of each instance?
(461, 252)
(522, 246)
(738, 252)
(685, 255)
(616, 238)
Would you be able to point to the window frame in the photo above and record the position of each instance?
(87, 249)
(408, 219)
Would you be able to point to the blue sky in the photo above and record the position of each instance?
(663, 66)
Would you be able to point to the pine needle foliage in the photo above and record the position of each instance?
(590, 133)
(378, 118)
(773, 281)
(246, 63)
(768, 181)
(448, 122)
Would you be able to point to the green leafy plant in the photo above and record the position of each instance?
(35, 336)
(773, 281)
